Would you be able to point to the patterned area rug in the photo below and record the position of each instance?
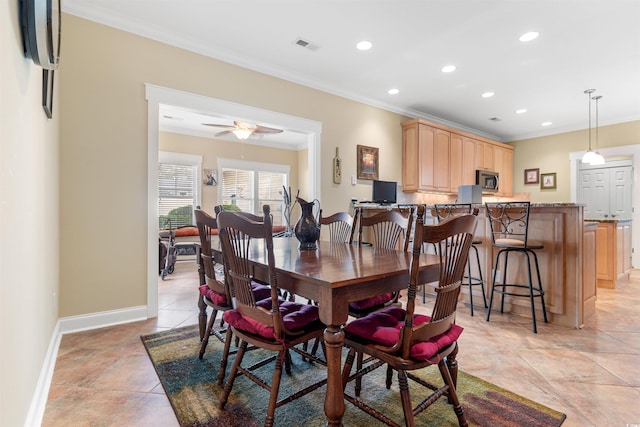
(191, 386)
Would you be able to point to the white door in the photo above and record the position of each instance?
(606, 191)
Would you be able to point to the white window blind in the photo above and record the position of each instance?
(252, 185)
(177, 190)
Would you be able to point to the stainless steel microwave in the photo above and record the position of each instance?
(489, 181)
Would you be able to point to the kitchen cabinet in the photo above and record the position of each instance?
(462, 161)
(439, 159)
(425, 157)
(503, 163)
(614, 252)
(485, 157)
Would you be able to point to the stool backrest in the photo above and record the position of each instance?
(509, 222)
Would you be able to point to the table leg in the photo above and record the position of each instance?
(334, 400)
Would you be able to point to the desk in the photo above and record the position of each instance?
(334, 275)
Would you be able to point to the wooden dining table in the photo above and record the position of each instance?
(333, 275)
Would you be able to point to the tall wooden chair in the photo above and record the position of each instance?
(215, 292)
(406, 341)
(444, 211)
(510, 233)
(270, 324)
(389, 230)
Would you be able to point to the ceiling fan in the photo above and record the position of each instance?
(243, 130)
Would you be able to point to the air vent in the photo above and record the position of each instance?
(307, 44)
(495, 119)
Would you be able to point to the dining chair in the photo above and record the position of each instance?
(270, 324)
(340, 226)
(389, 230)
(509, 224)
(215, 292)
(408, 342)
(444, 211)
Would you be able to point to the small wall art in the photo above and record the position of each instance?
(548, 181)
(532, 176)
(367, 162)
(210, 177)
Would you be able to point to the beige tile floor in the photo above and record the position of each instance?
(104, 377)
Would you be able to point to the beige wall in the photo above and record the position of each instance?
(551, 154)
(104, 150)
(212, 149)
(28, 225)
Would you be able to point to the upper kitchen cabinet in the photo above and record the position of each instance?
(503, 164)
(436, 158)
(463, 161)
(425, 157)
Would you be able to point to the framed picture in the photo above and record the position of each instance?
(210, 177)
(367, 162)
(548, 181)
(47, 92)
(532, 176)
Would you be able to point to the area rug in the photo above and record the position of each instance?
(190, 384)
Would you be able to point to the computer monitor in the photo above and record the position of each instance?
(384, 192)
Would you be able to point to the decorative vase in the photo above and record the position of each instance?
(307, 229)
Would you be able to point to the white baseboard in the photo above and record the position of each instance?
(67, 325)
(102, 319)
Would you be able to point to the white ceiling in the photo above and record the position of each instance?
(582, 44)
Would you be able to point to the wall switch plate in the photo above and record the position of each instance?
(353, 180)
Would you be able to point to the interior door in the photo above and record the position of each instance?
(606, 192)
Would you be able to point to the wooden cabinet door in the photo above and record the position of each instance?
(484, 156)
(503, 162)
(426, 158)
(462, 167)
(441, 177)
(410, 158)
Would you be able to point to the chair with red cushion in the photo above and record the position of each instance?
(406, 341)
(271, 324)
(214, 292)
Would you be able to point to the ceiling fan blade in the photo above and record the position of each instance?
(219, 126)
(264, 129)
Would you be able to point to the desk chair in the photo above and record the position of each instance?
(510, 233)
(406, 341)
(444, 211)
(270, 324)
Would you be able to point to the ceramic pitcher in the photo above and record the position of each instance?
(307, 228)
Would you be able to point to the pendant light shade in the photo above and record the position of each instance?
(589, 156)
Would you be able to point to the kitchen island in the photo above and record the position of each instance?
(566, 262)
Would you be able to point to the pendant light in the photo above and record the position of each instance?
(589, 155)
(598, 159)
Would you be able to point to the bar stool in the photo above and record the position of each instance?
(509, 233)
(444, 211)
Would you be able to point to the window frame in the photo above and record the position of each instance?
(169, 157)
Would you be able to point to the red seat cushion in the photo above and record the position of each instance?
(260, 292)
(371, 302)
(383, 327)
(295, 317)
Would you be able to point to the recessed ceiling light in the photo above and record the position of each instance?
(527, 37)
(448, 68)
(546, 124)
(364, 45)
(488, 94)
(393, 91)
(521, 111)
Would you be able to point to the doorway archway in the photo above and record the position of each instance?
(156, 96)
